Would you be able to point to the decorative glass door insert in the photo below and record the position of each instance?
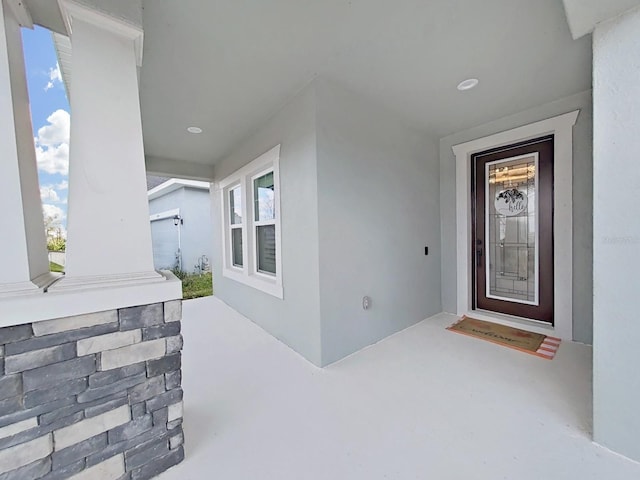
(512, 229)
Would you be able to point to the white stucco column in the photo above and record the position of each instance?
(616, 234)
(23, 250)
(109, 236)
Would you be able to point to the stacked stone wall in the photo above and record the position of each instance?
(95, 396)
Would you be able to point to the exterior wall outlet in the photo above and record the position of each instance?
(366, 302)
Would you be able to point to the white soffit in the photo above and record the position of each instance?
(584, 15)
(62, 45)
(47, 13)
(89, 12)
(228, 66)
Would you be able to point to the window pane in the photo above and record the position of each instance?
(235, 206)
(236, 246)
(266, 245)
(263, 195)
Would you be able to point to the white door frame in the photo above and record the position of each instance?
(561, 127)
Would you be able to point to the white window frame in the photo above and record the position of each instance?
(248, 273)
(234, 226)
(255, 223)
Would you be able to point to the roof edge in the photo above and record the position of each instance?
(174, 184)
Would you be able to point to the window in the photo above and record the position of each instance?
(250, 200)
(264, 221)
(235, 213)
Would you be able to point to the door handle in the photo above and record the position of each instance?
(479, 257)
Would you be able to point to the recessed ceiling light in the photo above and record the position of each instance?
(194, 130)
(467, 84)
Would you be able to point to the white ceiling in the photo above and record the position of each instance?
(227, 65)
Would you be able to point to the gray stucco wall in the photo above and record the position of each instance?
(378, 204)
(359, 202)
(196, 231)
(582, 203)
(295, 319)
(616, 383)
(166, 202)
(164, 235)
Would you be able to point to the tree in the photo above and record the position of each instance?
(56, 242)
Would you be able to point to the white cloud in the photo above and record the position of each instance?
(52, 143)
(54, 73)
(48, 194)
(53, 159)
(54, 77)
(63, 185)
(57, 131)
(52, 212)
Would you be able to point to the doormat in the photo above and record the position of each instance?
(528, 342)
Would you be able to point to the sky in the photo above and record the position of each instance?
(50, 119)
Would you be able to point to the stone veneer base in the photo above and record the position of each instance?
(95, 396)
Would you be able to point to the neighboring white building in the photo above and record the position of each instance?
(356, 192)
(181, 227)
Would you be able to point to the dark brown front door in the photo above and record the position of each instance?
(512, 250)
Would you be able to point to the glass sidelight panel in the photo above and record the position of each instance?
(512, 229)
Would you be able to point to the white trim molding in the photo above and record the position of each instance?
(561, 127)
(21, 13)
(18, 310)
(85, 282)
(174, 184)
(164, 215)
(168, 167)
(36, 286)
(97, 18)
(248, 273)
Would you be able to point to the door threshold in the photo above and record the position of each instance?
(529, 324)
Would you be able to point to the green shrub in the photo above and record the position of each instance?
(196, 285)
(56, 244)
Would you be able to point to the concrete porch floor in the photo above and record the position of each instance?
(423, 404)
